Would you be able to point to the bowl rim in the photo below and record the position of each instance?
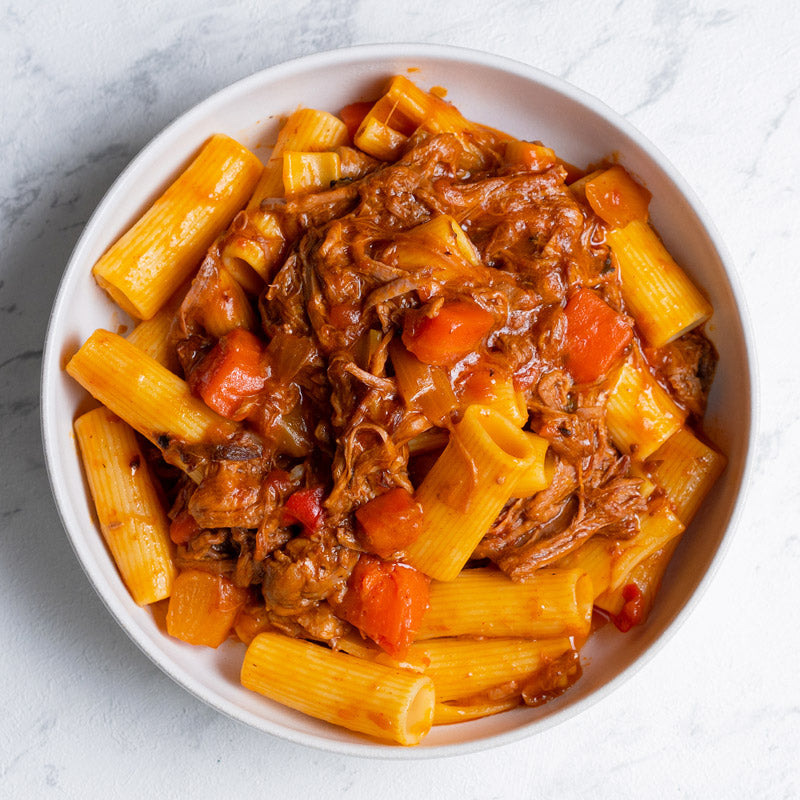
(331, 59)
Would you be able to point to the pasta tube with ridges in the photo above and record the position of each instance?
(640, 414)
(379, 140)
(149, 262)
(663, 299)
(646, 576)
(132, 519)
(306, 129)
(686, 469)
(467, 486)
(460, 668)
(388, 703)
(153, 335)
(149, 397)
(609, 562)
(484, 602)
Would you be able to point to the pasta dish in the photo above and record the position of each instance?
(408, 410)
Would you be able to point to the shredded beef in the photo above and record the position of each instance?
(210, 551)
(319, 623)
(306, 571)
(687, 365)
(354, 265)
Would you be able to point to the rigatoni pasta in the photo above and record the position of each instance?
(151, 260)
(463, 668)
(310, 172)
(609, 563)
(153, 335)
(662, 298)
(363, 696)
(306, 129)
(641, 415)
(484, 602)
(629, 604)
(449, 713)
(685, 468)
(150, 398)
(460, 499)
(132, 519)
(430, 408)
(255, 241)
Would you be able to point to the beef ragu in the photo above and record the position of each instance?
(465, 269)
(339, 299)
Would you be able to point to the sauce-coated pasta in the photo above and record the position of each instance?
(432, 399)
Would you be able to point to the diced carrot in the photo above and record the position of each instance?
(232, 373)
(596, 336)
(617, 198)
(353, 115)
(452, 333)
(386, 601)
(203, 607)
(304, 506)
(389, 522)
(183, 527)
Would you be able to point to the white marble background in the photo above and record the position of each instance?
(86, 83)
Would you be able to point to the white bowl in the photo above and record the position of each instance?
(504, 94)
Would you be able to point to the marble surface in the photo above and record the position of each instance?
(86, 84)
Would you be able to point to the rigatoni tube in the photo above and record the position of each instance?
(425, 108)
(608, 562)
(144, 393)
(663, 299)
(485, 458)
(657, 528)
(686, 469)
(461, 668)
(153, 335)
(149, 262)
(450, 713)
(640, 414)
(384, 702)
(132, 519)
(485, 602)
(309, 172)
(646, 576)
(379, 140)
(305, 129)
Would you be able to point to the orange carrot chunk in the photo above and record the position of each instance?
(389, 522)
(353, 115)
(454, 332)
(596, 336)
(386, 601)
(203, 607)
(617, 198)
(232, 373)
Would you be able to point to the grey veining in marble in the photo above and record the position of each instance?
(85, 85)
